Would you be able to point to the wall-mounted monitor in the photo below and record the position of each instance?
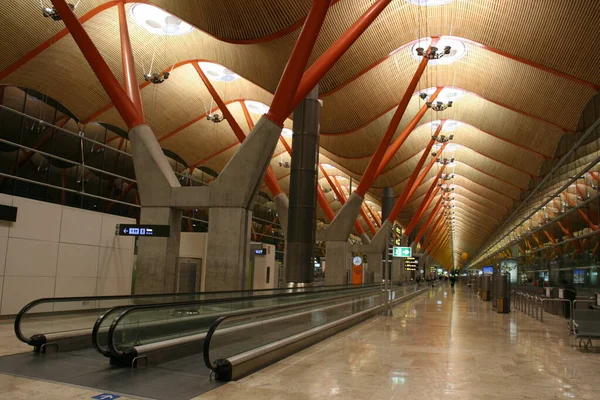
(8, 213)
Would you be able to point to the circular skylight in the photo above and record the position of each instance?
(159, 22)
(448, 93)
(256, 107)
(450, 125)
(285, 132)
(449, 147)
(429, 3)
(457, 50)
(216, 72)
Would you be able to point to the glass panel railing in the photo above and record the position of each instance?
(77, 315)
(146, 325)
(236, 335)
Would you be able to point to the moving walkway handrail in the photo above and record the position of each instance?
(114, 352)
(38, 337)
(257, 313)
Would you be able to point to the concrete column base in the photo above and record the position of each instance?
(338, 262)
(375, 266)
(228, 249)
(157, 257)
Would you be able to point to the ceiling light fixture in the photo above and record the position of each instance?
(50, 12)
(159, 22)
(445, 52)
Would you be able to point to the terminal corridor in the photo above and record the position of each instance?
(440, 345)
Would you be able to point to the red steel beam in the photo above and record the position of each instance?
(129, 75)
(398, 206)
(374, 215)
(374, 165)
(421, 210)
(429, 221)
(270, 178)
(323, 64)
(393, 149)
(281, 106)
(417, 176)
(107, 79)
(325, 206)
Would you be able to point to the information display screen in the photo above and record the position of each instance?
(144, 230)
(488, 270)
(411, 263)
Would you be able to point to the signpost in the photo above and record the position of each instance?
(143, 230)
(411, 263)
(402, 251)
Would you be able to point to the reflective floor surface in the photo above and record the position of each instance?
(441, 345)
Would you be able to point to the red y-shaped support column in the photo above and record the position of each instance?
(281, 106)
(109, 82)
(129, 76)
(431, 193)
(393, 149)
(370, 175)
(270, 177)
(428, 222)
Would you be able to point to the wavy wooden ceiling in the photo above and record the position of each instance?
(513, 115)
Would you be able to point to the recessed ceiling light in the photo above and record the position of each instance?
(256, 107)
(457, 50)
(216, 72)
(429, 3)
(159, 22)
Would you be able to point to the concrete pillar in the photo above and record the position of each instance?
(301, 232)
(228, 249)
(157, 257)
(338, 262)
(282, 205)
(387, 204)
(375, 265)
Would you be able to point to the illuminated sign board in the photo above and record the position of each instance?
(411, 263)
(402, 251)
(143, 230)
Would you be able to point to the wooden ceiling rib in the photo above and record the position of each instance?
(526, 81)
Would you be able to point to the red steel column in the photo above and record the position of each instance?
(415, 219)
(325, 206)
(109, 82)
(393, 149)
(324, 63)
(412, 183)
(428, 222)
(370, 173)
(373, 214)
(270, 177)
(422, 176)
(282, 106)
(431, 193)
(433, 230)
(396, 210)
(129, 76)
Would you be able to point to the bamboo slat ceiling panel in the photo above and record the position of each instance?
(512, 121)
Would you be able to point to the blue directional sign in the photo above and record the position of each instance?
(106, 396)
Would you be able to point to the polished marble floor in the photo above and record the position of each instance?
(441, 345)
